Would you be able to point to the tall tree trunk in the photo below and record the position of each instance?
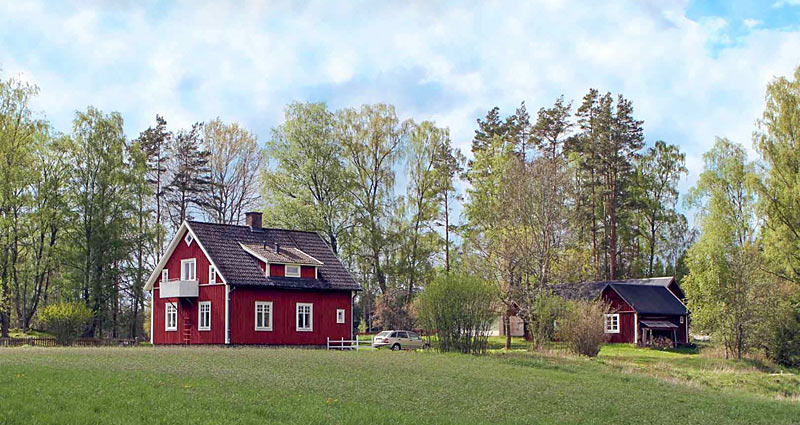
(507, 329)
(446, 232)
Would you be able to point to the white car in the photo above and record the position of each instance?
(399, 340)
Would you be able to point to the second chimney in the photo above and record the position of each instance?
(277, 248)
(253, 220)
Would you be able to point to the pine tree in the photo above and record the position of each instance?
(190, 176)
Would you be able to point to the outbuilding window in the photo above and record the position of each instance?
(612, 323)
(204, 316)
(164, 276)
(171, 320)
(305, 317)
(263, 315)
(340, 312)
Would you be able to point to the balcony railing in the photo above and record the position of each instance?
(175, 288)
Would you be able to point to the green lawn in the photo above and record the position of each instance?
(159, 385)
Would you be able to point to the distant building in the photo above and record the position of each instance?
(641, 309)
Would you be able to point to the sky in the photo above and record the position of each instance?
(694, 70)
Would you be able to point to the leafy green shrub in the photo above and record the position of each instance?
(65, 320)
(459, 307)
(542, 318)
(581, 327)
(782, 342)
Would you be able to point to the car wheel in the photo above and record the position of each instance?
(396, 347)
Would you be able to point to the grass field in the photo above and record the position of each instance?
(160, 385)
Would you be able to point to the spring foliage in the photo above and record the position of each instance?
(66, 320)
(459, 307)
(581, 327)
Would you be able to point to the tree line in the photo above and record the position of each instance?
(573, 192)
(84, 215)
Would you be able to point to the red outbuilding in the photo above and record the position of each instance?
(227, 284)
(642, 310)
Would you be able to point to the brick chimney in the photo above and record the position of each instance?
(253, 220)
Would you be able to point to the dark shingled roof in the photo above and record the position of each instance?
(650, 299)
(240, 268)
(646, 296)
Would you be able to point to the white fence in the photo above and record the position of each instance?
(350, 344)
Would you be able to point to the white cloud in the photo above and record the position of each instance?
(782, 3)
(752, 23)
(202, 60)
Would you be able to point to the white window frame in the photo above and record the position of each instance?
(310, 324)
(609, 319)
(340, 315)
(268, 306)
(200, 306)
(189, 261)
(286, 270)
(164, 275)
(188, 238)
(212, 275)
(170, 312)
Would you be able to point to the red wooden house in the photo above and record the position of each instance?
(226, 284)
(641, 309)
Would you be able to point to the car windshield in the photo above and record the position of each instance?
(384, 333)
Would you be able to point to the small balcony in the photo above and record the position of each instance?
(177, 288)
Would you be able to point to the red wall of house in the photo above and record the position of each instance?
(627, 329)
(187, 307)
(277, 269)
(307, 272)
(182, 252)
(188, 316)
(284, 331)
(627, 317)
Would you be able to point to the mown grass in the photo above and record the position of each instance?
(162, 385)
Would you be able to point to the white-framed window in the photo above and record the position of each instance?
(189, 269)
(612, 323)
(204, 316)
(292, 271)
(165, 275)
(171, 319)
(263, 315)
(188, 239)
(212, 274)
(305, 317)
(340, 312)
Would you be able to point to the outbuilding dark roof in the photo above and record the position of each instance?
(647, 299)
(224, 245)
(646, 296)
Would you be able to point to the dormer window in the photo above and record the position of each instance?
(188, 239)
(292, 270)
